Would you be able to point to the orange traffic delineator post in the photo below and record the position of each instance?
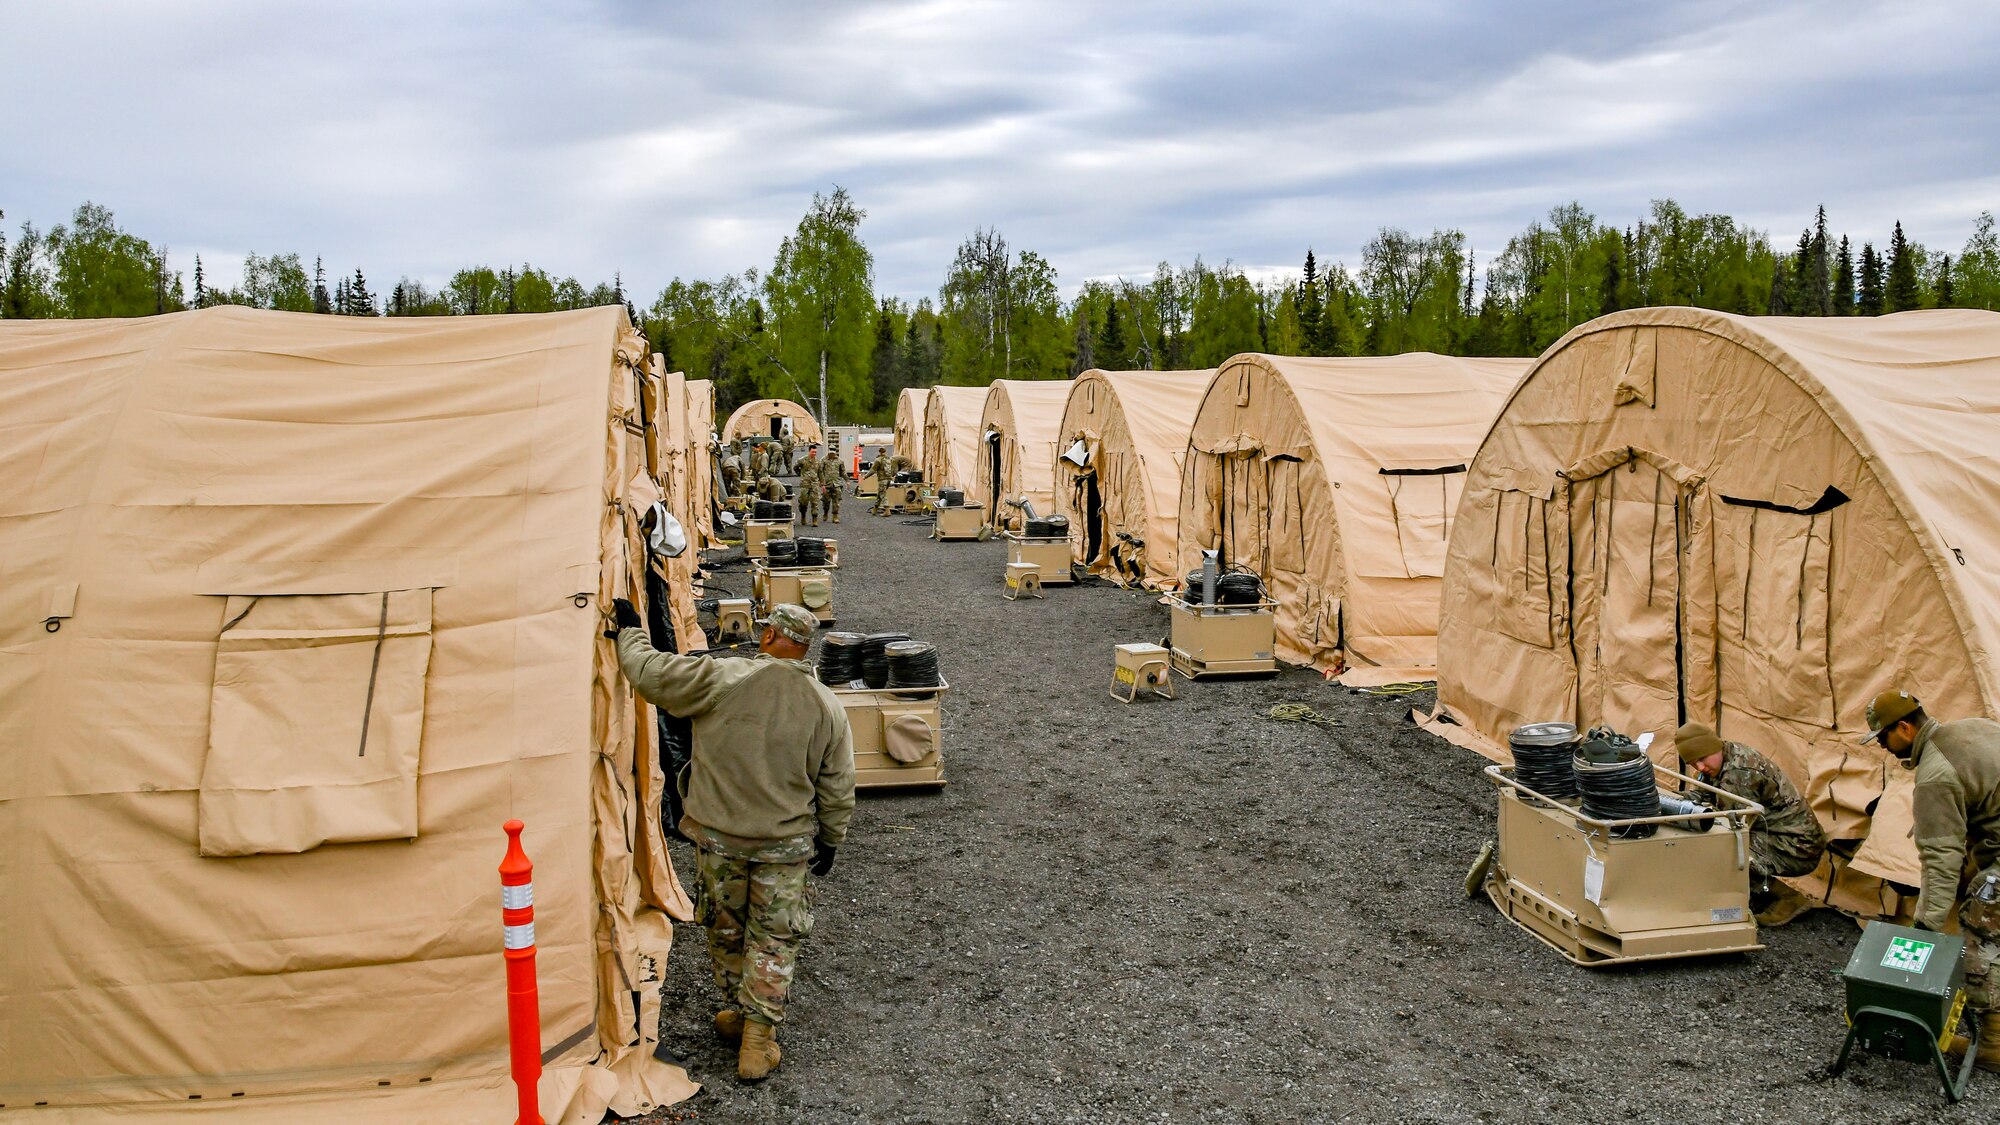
(524, 1008)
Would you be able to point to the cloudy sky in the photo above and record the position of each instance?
(663, 139)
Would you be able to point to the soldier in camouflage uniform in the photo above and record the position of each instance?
(758, 464)
(1957, 830)
(809, 486)
(786, 447)
(732, 474)
(831, 480)
(769, 789)
(1786, 842)
(768, 488)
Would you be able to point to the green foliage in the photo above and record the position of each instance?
(1002, 315)
(1843, 280)
(1902, 291)
(100, 270)
(821, 295)
(1868, 301)
(1976, 274)
(278, 281)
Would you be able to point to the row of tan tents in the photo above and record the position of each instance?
(1672, 514)
(297, 611)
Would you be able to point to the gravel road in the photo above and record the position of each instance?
(1185, 911)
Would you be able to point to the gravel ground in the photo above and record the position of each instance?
(1184, 911)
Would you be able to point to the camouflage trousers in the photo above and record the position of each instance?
(809, 502)
(1979, 922)
(831, 495)
(757, 914)
(1783, 854)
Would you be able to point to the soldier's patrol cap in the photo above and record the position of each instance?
(795, 622)
(1695, 741)
(1888, 709)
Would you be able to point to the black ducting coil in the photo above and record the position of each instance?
(811, 551)
(781, 552)
(840, 658)
(912, 664)
(1542, 754)
(908, 476)
(951, 497)
(1053, 527)
(1616, 780)
(875, 661)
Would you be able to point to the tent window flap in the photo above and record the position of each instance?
(1423, 501)
(315, 721)
(1775, 567)
(1524, 603)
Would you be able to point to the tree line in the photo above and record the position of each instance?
(812, 327)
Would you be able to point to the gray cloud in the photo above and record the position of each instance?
(663, 140)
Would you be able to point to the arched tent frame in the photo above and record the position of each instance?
(1336, 480)
(756, 418)
(1024, 417)
(911, 406)
(951, 436)
(1134, 428)
(1829, 480)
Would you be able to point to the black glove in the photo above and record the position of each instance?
(822, 861)
(624, 616)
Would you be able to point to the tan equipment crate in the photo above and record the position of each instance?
(809, 586)
(1222, 640)
(757, 532)
(1050, 556)
(906, 716)
(907, 498)
(965, 521)
(1600, 900)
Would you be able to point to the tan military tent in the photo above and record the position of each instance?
(1017, 455)
(910, 408)
(672, 435)
(1755, 522)
(951, 436)
(1336, 479)
(295, 612)
(1133, 426)
(768, 417)
(702, 468)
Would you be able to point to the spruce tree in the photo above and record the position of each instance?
(1610, 297)
(1843, 280)
(398, 301)
(1946, 298)
(1818, 280)
(359, 300)
(340, 305)
(1111, 348)
(1868, 302)
(1312, 309)
(322, 301)
(200, 287)
(1780, 302)
(1902, 292)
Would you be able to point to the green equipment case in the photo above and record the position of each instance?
(1905, 993)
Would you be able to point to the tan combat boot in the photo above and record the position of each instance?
(1785, 906)
(1989, 1042)
(759, 1054)
(729, 1025)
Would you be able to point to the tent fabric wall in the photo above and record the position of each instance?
(951, 435)
(701, 461)
(1336, 480)
(243, 488)
(1807, 503)
(1134, 425)
(675, 471)
(1027, 416)
(911, 406)
(754, 418)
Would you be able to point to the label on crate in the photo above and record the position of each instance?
(1907, 954)
(1593, 879)
(1122, 675)
(1725, 914)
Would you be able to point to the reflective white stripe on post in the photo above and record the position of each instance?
(517, 898)
(518, 937)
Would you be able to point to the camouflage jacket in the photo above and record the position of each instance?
(1957, 808)
(809, 469)
(773, 758)
(1753, 777)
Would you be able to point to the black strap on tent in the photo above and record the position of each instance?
(1440, 471)
(374, 670)
(1829, 500)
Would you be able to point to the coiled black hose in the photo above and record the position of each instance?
(1053, 527)
(1616, 780)
(840, 658)
(1542, 758)
(781, 552)
(811, 551)
(1239, 588)
(912, 664)
(951, 497)
(875, 660)
(908, 476)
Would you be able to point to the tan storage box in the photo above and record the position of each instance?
(757, 532)
(809, 586)
(965, 521)
(1050, 556)
(1232, 640)
(905, 498)
(890, 731)
(1599, 900)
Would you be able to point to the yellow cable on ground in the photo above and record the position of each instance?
(1403, 687)
(1297, 713)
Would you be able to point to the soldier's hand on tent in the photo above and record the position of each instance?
(623, 616)
(822, 861)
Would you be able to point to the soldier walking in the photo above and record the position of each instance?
(809, 497)
(1785, 843)
(1957, 830)
(769, 788)
(786, 447)
(830, 487)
